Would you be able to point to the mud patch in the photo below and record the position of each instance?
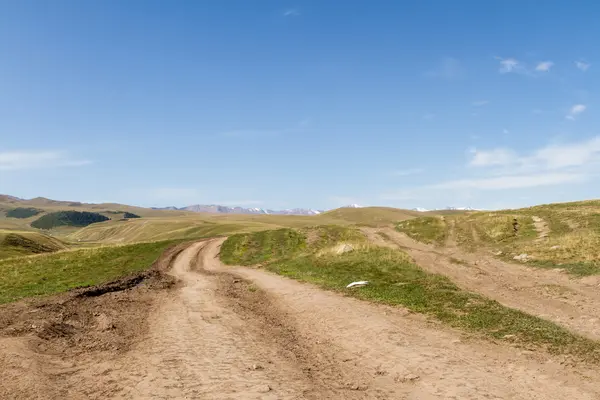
(74, 327)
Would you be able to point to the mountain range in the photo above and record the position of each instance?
(217, 209)
(421, 209)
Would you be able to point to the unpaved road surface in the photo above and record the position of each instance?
(242, 333)
(549, 294)
(541, 227)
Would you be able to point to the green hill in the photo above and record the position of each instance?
(23, 212)
(68, 218)
(14, 244)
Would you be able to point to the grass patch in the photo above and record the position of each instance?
(59, 272)
(425, 229)
(267, 246)
(259, 247)
(579, 269)
(320, 237)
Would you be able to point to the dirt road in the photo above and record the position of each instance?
(242, 333)
(549, 294)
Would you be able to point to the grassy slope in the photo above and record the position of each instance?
(425, 229)
(15, 244)
(573, 242)
(203, 225)
(396, 280)
(368, 216)
(49, 206)
(59, 272)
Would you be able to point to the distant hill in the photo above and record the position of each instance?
(23, 212)
(68, 218)
(14, 244)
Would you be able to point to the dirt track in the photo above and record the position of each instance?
(241, 333)
(549, 294)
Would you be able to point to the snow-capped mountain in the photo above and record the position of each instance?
(217, 209)
(421, 209)
(352, 206)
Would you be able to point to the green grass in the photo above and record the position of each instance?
(396, 280)
(425, 229)
(578, 269)
(59, 272)
(320, 237)
(259, 247)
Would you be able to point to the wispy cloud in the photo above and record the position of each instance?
(505, 169)
(508, 65)
(480, 103)
(512, 65)
(291, 12)
(407, 172)
(500, 156)
(576, 110)
(450, 68)
(547, 158)
(505, 131)
(544, 66)
(35, 159)
(583, 66)
(512, 182)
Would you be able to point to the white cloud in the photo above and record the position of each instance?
(508, 65)
(493, 157)
(512, 181)
(574, 154)
(450, 68)
(547, 158)
(583, 66)
(480, 103)
(407, 172)
(292, 12)
(575, 110)
(544, 66)
(505, 169)
(24, 160)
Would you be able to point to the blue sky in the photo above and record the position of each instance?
(300, 104)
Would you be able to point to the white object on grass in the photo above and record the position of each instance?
(359, 283)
